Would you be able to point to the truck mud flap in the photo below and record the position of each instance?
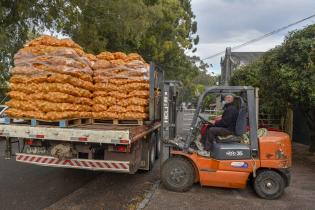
(95, 165)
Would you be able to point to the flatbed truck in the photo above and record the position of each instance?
(102, 147)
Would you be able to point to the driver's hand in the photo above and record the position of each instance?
(212, 122)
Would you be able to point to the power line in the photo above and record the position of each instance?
(260, 38)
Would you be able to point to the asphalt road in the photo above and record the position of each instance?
(299, 195)
(24, 186)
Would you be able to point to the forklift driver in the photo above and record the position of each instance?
(226, 125)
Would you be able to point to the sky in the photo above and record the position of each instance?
(227, 23)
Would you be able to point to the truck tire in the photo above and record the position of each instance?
(152, 152)
(178, 174)
(158, 146)
(269, 184)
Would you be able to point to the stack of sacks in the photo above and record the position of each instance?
(51, 80)
(121, 86)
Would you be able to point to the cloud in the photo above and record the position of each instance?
(223, 23)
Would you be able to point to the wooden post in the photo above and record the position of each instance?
(257, 105)
(289, 122)
(312, 128)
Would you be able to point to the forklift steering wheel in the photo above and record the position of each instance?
(203, 119)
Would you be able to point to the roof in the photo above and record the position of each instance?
(245, 57)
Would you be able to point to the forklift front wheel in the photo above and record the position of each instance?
(269, 184)
(178, 174)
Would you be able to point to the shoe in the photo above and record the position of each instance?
(203, 153)
(199, 145)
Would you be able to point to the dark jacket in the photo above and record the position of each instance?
(229, 118)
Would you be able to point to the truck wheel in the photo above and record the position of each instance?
(158, 147)
(269, 184)
(152, 155)
(178, 174)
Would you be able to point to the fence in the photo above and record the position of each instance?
(276, 121)
(185, 117)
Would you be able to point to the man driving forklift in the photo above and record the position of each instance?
(226, 125)
(264, 160)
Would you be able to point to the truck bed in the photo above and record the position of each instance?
(93, 133)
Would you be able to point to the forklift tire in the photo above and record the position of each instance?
(178, 174)
(269, 184)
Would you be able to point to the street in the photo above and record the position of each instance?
(207, 96)
(26, 186)
(299, 195)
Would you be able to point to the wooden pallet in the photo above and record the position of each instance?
(58, 123)
(62, 123)
(118, 122)
(8, 121)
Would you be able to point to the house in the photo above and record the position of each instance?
(233, 60)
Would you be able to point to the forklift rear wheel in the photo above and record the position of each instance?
(269, 184)
(178, 174)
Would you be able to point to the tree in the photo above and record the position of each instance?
(286, 74)
(21, 20)
(160, 30)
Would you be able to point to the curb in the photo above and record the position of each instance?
(149, 195)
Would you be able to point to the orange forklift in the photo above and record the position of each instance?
(263, 160)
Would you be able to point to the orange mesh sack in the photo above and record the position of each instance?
(133, 101)
(139, 93)
(101, 64)
(117, 109)
(50, 87)
(134, 56)
(105, 87)
(51, 80)
(107, 101)
(105, 56)
(134, 115)
(99, 108)
(52, 41)
(45, 106)
(56, 97)
(54, 55)
(120, 55)
(51, 116)
(121, 89)
(105, 115)
(136, 108)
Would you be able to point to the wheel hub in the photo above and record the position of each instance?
(177, 175)
(270, 186)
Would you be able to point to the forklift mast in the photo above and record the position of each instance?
(170, 107)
